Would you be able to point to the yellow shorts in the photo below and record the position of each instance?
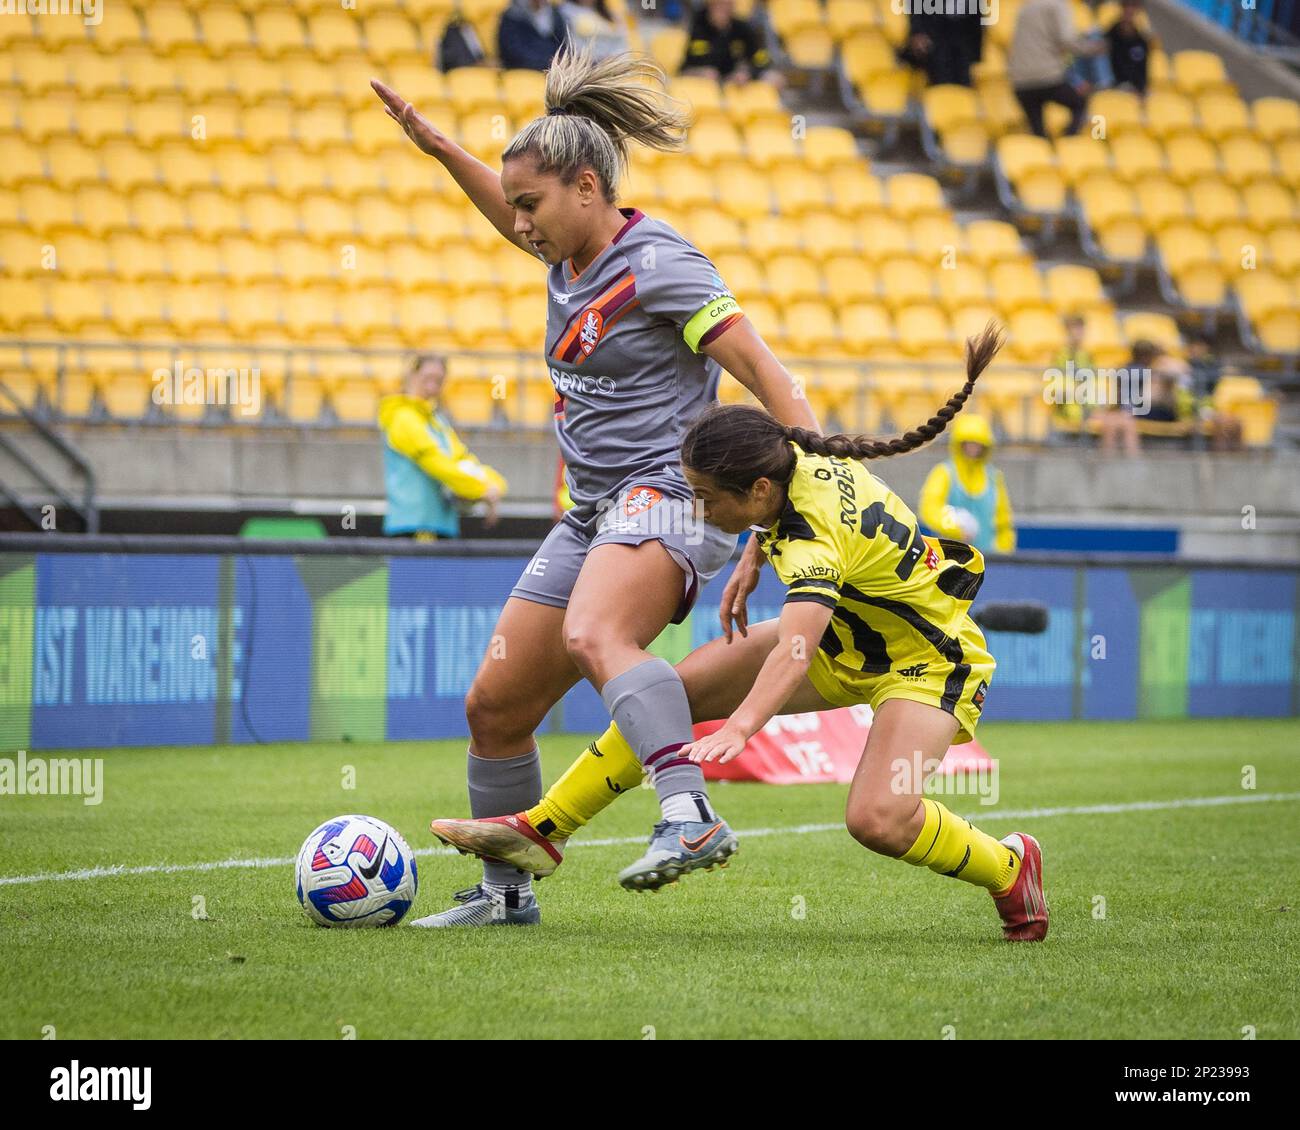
(956, 683)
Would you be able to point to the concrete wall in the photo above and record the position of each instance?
(196, 469)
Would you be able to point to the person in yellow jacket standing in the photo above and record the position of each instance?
(964, 497)
(428, 470)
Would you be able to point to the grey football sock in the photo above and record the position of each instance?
(649, 704)
(502, 786)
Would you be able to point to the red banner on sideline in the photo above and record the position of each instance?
(825, 745)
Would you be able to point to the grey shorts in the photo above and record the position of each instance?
(640, 513)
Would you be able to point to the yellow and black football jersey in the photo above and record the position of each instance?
(847, 541)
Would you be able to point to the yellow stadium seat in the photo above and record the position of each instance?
(810, 48)
(21, 162)
(1160, 329)
(305, 264)
(475, 317)
(1245, 398)
(119, 28)
(197, 310)
(391, 36)
(1284, 251)
(1161, 203)
(91, 73)
(923, 330)
(713, 138)
(54, 115)
(826, 235)
(1195, 72)
(470, 89)
(793, 278)
(184, 167)
(993, 241)
(904, 281)
(668, 47)
(158, 212)
(772, 235)
(766, 319)
(1191, 159)
(336, 32)
(36, 71)
(963, 283)
(883, 237)
(22, 254)
(79, 256)
(295, 172)
(742, 274)
(1288, 161)
(797, 190)
(916, 194)
(1276, 118)
(1112, 113)
(309, 82)
(139, 310)
(138, 258)
(769, 143)
(326, 219)
(1029, 165)
(320, 127)
(849, 279)
(1269, 205)
(1245, 160)
(866, 327)
(1074, 289)
(267, 124)
(827, 146)
(886, 96)
(1222, 115)
(278, 32)
(168, 26)
(1137, 157)
(970, 318)
(1169, 114)
(48, 210)
(1014, 286)
(191, 260)
(810, 328)
(1214, 203)
(223, 30)
(752, 102)
(1034, 334)
(255, 79)
(999, 109)
(200, 78)
(237, 171)
(109, 119)
(268, 216)
(1239, 247)
(213, 215)
(854, 190)
(102, 210)
(713, 231)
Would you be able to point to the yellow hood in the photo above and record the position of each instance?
(970, 429)
(390, 404)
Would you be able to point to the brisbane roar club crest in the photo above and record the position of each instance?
(590, 330)
(640, 499)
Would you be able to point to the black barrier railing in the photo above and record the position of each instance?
(53, 542)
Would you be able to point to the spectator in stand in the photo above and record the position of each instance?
(1200, 375)
(1037, 64)
(459, 46)
(965, 496)
(529, 35)
(725, 47)
(1119, 430)
(944, 46)
(1068, 406)
(1129, 48)
(591, 21)
(428, 470)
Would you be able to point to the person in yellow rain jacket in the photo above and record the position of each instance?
(428, 470)
(964, 497)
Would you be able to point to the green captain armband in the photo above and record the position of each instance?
(707, 322)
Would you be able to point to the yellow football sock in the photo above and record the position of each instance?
(606, 768)
(952, 846)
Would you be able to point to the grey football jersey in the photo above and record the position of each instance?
(622, 341)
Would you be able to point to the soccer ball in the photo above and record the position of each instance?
(356, 871)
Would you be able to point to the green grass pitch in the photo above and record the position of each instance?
(1198, 938)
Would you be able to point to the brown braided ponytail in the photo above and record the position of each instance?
(737, 444)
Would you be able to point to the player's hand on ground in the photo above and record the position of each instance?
(720, 746)
(418, 128)
(743, 581)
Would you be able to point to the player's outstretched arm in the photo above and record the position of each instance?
(479, 182)
(745, 355)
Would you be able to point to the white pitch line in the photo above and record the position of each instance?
(624, 841)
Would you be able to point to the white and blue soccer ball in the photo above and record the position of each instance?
(356, 871)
